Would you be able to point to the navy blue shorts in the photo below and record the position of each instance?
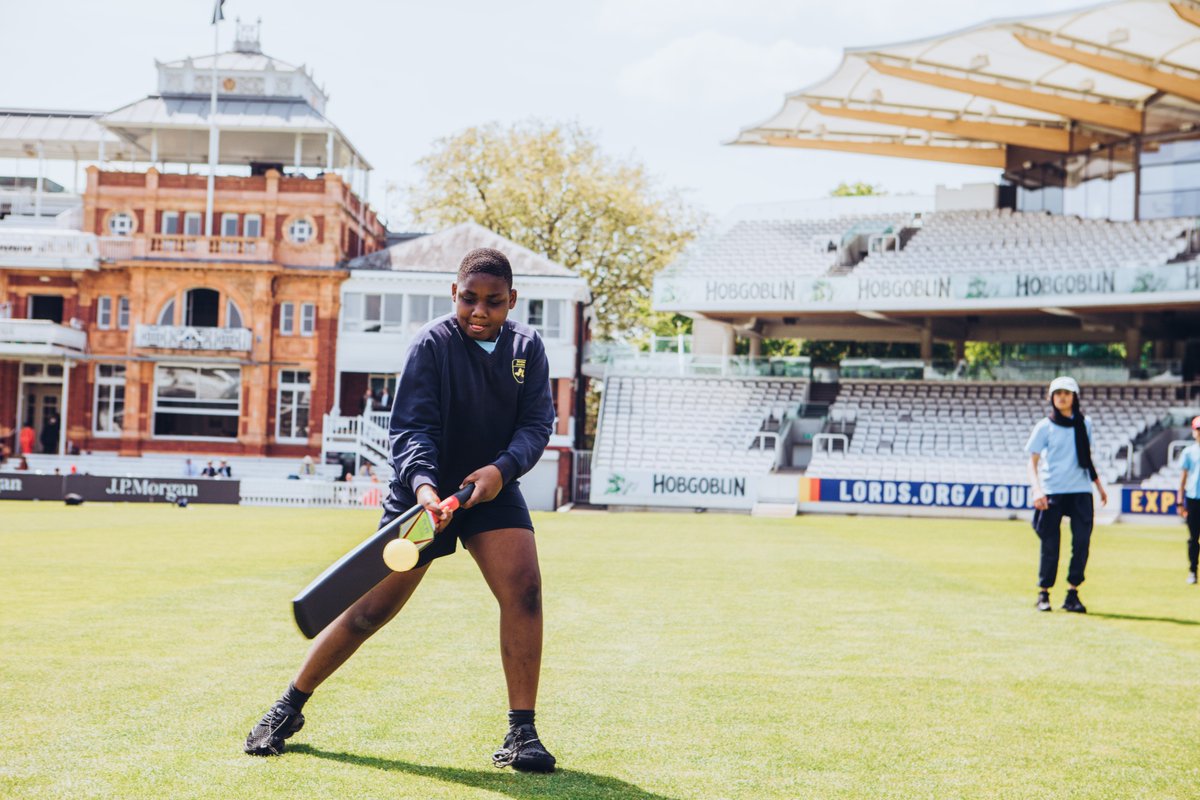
(507, 510)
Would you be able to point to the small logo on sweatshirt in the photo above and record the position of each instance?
(518, 370)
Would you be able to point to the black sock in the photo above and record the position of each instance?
(294, 697)
(516, 718)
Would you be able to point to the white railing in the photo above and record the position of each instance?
(825, 442)
(48, 248)
(312, 493)
(23, 202)
(187, 337)
(375, 439)
(257, 249)
(39, 337)
(168, 246)
(117, 248)
(361, 436)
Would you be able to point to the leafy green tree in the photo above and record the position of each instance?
(548, 187)
(856, 189)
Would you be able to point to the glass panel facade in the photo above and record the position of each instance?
(197, 401)
(108, 409)
(295, 392)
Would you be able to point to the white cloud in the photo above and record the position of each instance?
(715, 68)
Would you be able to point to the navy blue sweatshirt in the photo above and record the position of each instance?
(459, 408)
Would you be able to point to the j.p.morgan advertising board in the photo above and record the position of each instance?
(97, 488)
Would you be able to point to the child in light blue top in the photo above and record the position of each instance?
(1060, 471)
(1188, 498)
(1063, 441)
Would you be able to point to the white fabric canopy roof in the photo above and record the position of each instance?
(1061, 82)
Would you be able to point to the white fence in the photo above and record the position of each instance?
(312, 493)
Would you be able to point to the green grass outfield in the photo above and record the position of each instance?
(688, 656)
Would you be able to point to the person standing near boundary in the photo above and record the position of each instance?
(1065, 436)
(1188, 499)
(473, 406)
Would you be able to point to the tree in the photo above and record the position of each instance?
(857, 189)
(549, 188)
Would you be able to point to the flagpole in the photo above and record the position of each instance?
(213, 140)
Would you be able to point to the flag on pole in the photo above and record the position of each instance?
(218, 13)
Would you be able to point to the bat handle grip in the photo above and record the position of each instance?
(452, 502)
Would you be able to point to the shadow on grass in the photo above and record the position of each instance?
(563, 783)
(1172, 620)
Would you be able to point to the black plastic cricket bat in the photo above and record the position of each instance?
(357, 572)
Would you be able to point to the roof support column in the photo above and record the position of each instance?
(214, 147)
(214, 137)
(1133, 342)
(329, 152)
(64, 405)
(927, 342)
(41, 176)
(298, 152)
(154, 146)
(20, 412)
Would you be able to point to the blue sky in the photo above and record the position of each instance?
(662, 81)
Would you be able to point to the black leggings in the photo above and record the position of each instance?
(1193, 524)
(1077, 506)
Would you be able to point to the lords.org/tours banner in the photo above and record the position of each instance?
(928, 494)
(644, 487)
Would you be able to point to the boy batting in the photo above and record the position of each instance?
(473, 406)
(1064, 438)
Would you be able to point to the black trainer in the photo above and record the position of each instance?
(523, 751)
(279, 723)
(1072, 603)
(1043, 603)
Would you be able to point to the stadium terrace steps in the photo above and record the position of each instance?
(777, 248)
(1003, 241)
(693, 424)
(975, 433)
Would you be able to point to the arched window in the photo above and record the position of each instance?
(233, 315)
(201, 307)
(167, 315)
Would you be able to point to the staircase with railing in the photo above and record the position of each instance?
(365, 437)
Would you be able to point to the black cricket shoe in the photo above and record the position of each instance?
(523, 751)
(278, 724)
(1072, 603)
(1043, 603)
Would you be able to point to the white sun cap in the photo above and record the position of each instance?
(1062, 383)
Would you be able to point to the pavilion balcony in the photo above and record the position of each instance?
(190, 337)
(40, 337)
(47, 249)
(186, 248)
